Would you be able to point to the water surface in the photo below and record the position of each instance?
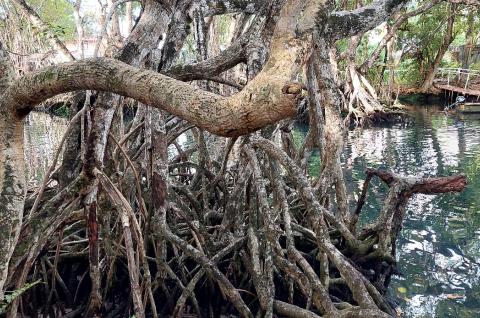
(439, 247)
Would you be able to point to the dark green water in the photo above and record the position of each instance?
(439, 248)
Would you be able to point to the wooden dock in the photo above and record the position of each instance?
(459, 81)
(458, 89)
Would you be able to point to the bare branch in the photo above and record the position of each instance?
(348, 23)
(423, 185)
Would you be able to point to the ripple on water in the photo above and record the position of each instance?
(439, 247)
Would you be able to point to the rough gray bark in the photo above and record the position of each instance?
(12, 176)
(214, 7)
(197, 221)
(148, 23)
(349, 23)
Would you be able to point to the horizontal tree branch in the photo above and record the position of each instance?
(268, 98)
(217, 7)
(264, 101)
(423, 185)
(234, 54)
(440, 185)
(351, 22)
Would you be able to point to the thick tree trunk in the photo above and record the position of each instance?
(12, 189)
(270, 96)
(12, 175)
(432, 68)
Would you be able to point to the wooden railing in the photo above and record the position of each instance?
(457, 76)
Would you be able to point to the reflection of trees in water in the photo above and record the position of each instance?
(439, 248)
(440, 273)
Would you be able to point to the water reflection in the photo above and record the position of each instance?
(439, 248)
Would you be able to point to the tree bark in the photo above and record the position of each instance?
(52, 38)
(448, 39)
(12, 189)
(271, 96)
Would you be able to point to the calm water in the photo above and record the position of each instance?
(439, 247)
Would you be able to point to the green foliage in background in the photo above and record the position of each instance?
(58, 15)
(423, 35)
(419, 39)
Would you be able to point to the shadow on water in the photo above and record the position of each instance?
(439, 248)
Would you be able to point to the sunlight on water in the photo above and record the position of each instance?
(439, 248)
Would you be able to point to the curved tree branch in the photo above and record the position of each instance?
(264, 101)
(269, 97)
(231, 56)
